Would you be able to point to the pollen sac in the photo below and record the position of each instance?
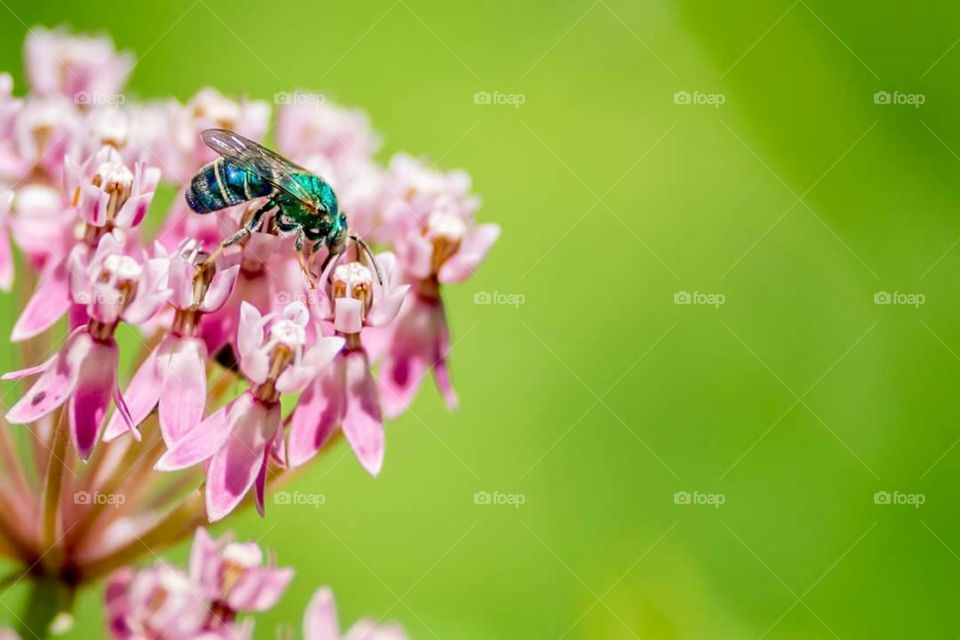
(353, 280)
(116, 180)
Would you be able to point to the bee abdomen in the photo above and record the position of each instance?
(223, 184)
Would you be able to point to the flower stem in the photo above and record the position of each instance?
(47, 609)
(52, 488)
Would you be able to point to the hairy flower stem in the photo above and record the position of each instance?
(52, 488)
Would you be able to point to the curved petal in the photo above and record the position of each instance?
(220, 289)
(183, 392)
(362, 419)
(296, 378)
(259, 588)
(48, 304)
(319, 411)
(181, 283)
(141, 397)
(88, 405)
(57, 381)
(387, 308)
(200, 443)
(472, 252)
(320, 622)
(234, 467)
(348, 315)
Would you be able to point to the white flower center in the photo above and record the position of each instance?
(352, 280)
(123, 268)
(288, 333)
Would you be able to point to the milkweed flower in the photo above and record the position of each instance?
(345, 395)
(108, 196)
(239, 438)
(59, 62)
(233, 577)
(438, 242)
(173, 377)
(320, 623)
(112, 287)
(107, 193)
(156, 602)
(6, 252)
(315, 127)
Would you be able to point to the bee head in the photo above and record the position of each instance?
(336, 239)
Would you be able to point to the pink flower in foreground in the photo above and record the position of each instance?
(173, 378)
(232, 576)
(114, 287)
(320, 623)
(438, 242)
(345, 395)
(239, 438)
(70, 65)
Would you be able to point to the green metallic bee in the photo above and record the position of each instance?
(306, 205)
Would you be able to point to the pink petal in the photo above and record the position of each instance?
(183, 394)
(386, 309)
(472, 252)
(400, 378)
(235, 466)
(47, 305)
(415, 253)
(362, 419)
(319, 410)
(141, 397)
(259, 588)
(250, 333)
(220, 289)
(320, 621)
(88, 405)
(348, 315)
(57, 381)
(204, 562)
(124, 411)
(200, 443)
(296, 378)
(181, 283)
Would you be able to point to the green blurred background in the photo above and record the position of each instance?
(597, 399)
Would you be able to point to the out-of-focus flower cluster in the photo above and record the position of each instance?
(223, 580)
(80, 166)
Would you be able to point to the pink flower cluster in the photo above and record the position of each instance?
(242, 367)
(223, 580)
(82, 177)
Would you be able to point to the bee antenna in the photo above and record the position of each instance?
(366, 249)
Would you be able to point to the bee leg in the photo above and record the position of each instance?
(298, 244)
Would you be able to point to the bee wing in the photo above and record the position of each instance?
(257, 159)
